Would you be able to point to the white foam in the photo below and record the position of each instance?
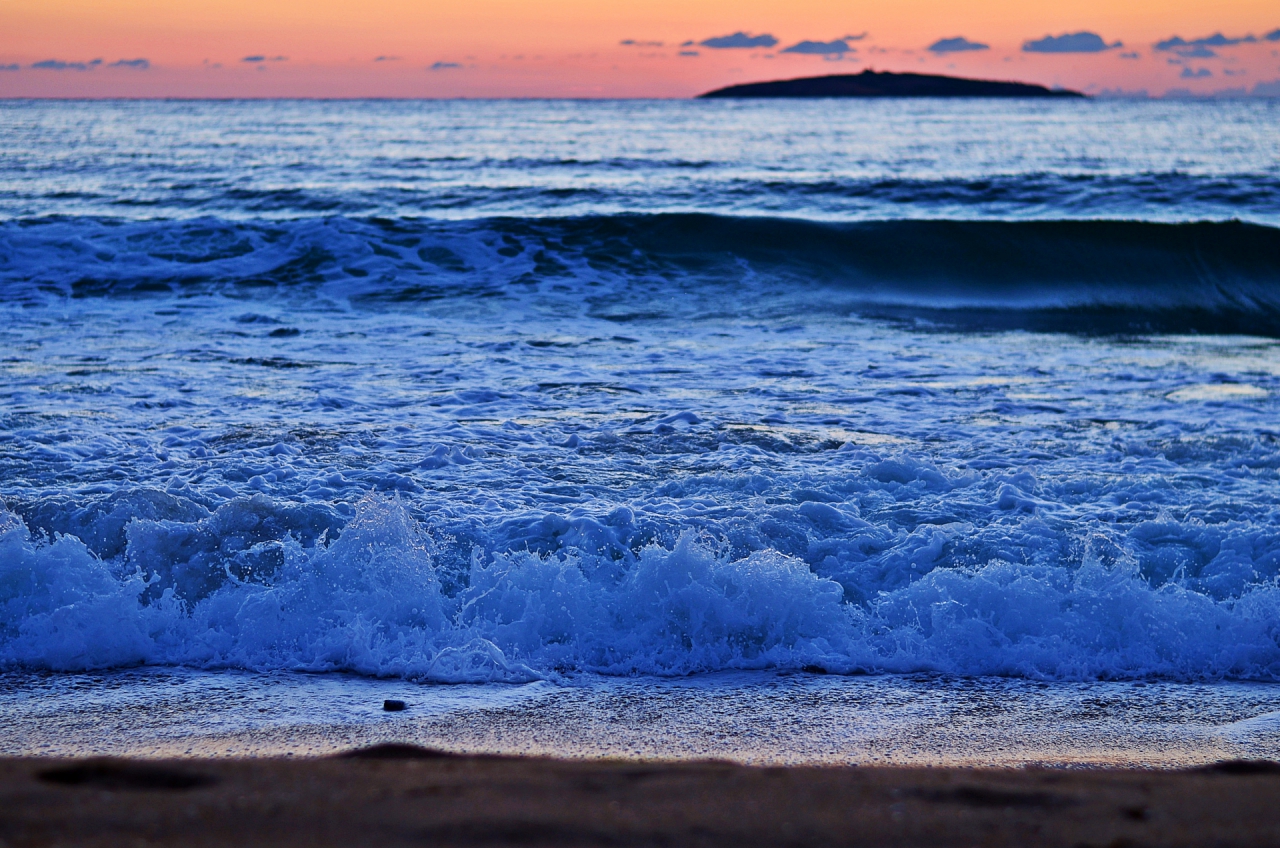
(372, 602)
(1217, 391)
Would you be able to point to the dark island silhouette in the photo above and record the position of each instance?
(887, 84)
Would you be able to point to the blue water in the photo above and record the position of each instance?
(814, 160)
(516, 391)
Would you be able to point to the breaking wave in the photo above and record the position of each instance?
(380, 599)
(1079, 276)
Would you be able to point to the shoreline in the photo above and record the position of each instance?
(752, 718)
(395, 794)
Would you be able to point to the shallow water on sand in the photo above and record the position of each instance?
(760, 718)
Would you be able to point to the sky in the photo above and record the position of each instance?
(623, 48)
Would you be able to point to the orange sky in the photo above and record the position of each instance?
(572, 47)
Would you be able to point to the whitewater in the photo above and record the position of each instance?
(554, 398)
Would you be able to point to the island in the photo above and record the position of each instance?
(887, 84)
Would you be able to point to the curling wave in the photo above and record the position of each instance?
(1080, 276)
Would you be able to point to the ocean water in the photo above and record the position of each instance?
(592, 396)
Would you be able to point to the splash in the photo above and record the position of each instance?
(376, 601)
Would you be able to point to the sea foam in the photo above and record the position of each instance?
(372, 602)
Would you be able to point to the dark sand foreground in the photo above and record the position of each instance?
(407, 796)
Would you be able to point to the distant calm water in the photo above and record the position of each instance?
(814, 160)
(510, 391)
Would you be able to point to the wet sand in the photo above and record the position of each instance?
(402, 795)
(752, 718)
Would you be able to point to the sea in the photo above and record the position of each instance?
(814, 431)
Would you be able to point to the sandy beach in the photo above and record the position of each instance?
(403, 795)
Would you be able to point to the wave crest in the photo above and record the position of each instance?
(1092, 276)
(373, 602)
